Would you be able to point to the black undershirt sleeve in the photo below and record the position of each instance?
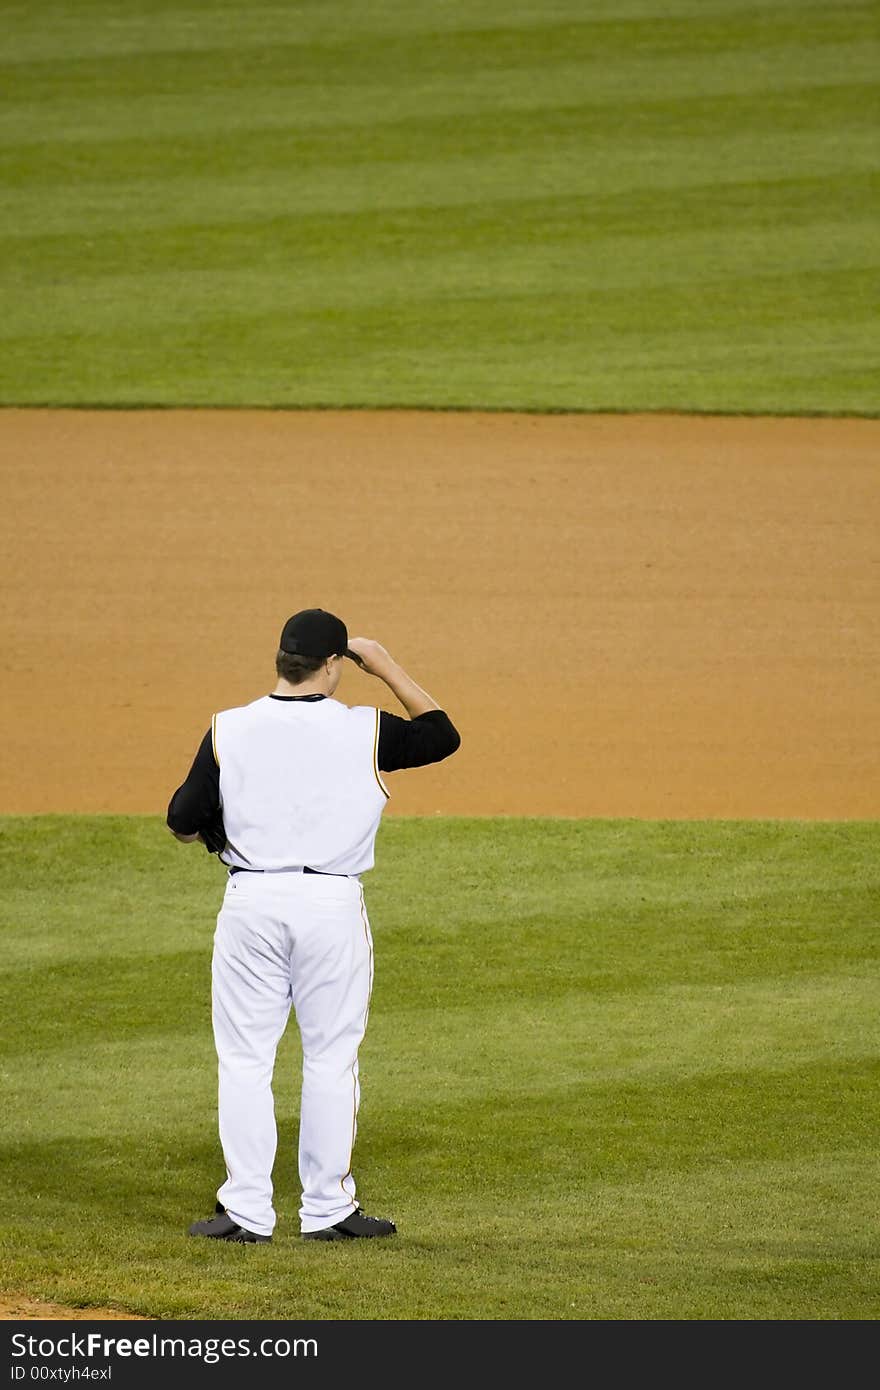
(197, 800)
(428, 738)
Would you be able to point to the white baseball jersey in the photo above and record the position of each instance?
(299, 784)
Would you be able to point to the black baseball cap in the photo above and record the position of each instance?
(315, 632)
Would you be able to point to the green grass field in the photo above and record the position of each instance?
(614, 1070)
(621, 205)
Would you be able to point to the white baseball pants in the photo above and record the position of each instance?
(287, 939)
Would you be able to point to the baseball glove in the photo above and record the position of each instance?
(213, 832)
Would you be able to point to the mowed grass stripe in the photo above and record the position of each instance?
(724, 354)
(317, 108)
(367, 179)
(349, 209)
(708, 1019)
(583, 124)
(689, 261)
(289, 37)
(228, 245)
(566, 1055)
(615, 1132)
(613, 1069)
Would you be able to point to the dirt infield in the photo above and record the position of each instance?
(15, 1309)
(645, 616)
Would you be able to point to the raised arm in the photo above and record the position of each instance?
(428, 736)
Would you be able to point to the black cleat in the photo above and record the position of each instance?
(222, 1227)
(354, 1226)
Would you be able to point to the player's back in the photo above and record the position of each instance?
(299, 784)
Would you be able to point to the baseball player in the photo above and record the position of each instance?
(288, 792)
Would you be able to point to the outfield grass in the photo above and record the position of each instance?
(614, 1070)
(618, 206)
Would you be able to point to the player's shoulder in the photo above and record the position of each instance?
(354, 713)
(237, 712)
(362, 720)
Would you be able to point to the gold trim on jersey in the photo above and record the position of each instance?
(214, 738)
(376, 755)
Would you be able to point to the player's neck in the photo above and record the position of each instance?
(319, 684)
